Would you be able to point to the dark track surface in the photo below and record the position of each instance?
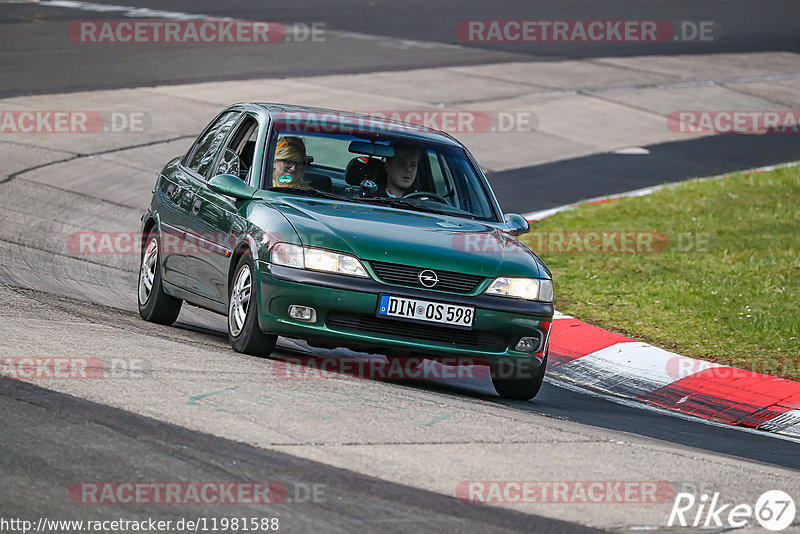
(99, 443)
(38, 56)
(557, 401)
(564, 182)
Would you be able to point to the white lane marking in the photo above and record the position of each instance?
(663, 85)
(143, 12)
(135, 12)
(543, 214)
(787, 423)
(402, 44)
(631, 151)
(630, 368)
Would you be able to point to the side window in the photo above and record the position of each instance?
(237, 158)
(436, 172)
(207, 145)
(473, 198)
(443, 179)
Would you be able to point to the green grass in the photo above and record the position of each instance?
(726, 288)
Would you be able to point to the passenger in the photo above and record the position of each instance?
(401, 171)
(290, 164)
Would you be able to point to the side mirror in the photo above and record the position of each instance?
(230, 185)
(517, 224)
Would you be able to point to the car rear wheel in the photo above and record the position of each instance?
(243, 331)
(516, 380)
(155, 305)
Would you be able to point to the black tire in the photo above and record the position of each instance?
(245, 335)
(155, 305)
(515, 380)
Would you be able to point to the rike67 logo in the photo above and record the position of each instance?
(774, 510)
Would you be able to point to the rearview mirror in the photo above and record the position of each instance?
(373, 149)
(230, 185)
(517, 224)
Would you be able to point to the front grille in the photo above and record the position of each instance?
(474, 339)
(408, 275)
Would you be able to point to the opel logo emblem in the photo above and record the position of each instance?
(428, 278)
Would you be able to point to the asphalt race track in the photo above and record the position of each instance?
(766, 26)
(385, 456)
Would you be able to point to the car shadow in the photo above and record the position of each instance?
(299, 360)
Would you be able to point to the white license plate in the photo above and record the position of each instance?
(426, 311)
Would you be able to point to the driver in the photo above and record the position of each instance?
(290, 163)
(401, 171)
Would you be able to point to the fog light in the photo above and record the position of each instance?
(527, 344)
(302, 313)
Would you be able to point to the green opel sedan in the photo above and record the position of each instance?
(346, 231)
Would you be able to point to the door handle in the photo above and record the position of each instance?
(196, 206)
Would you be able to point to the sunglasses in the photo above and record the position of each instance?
(289, 163)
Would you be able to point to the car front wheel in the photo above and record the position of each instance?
(155, 305)
(517, 380)
(243, 331)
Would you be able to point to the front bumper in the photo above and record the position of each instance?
(345, 316)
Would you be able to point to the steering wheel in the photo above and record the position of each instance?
(423, 195)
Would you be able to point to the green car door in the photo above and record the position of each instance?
(200, 165)
(215, 219)
(174, 191)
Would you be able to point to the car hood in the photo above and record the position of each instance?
(395, 235)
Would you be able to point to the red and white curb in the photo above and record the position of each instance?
(597, 359)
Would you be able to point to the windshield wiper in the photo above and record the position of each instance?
(396, 202)
(309, 192)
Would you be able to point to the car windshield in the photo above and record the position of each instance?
(334, 156)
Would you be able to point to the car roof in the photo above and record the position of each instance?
(356, 121)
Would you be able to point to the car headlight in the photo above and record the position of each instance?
(522, 288)
(317, 259)
(288, 255)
